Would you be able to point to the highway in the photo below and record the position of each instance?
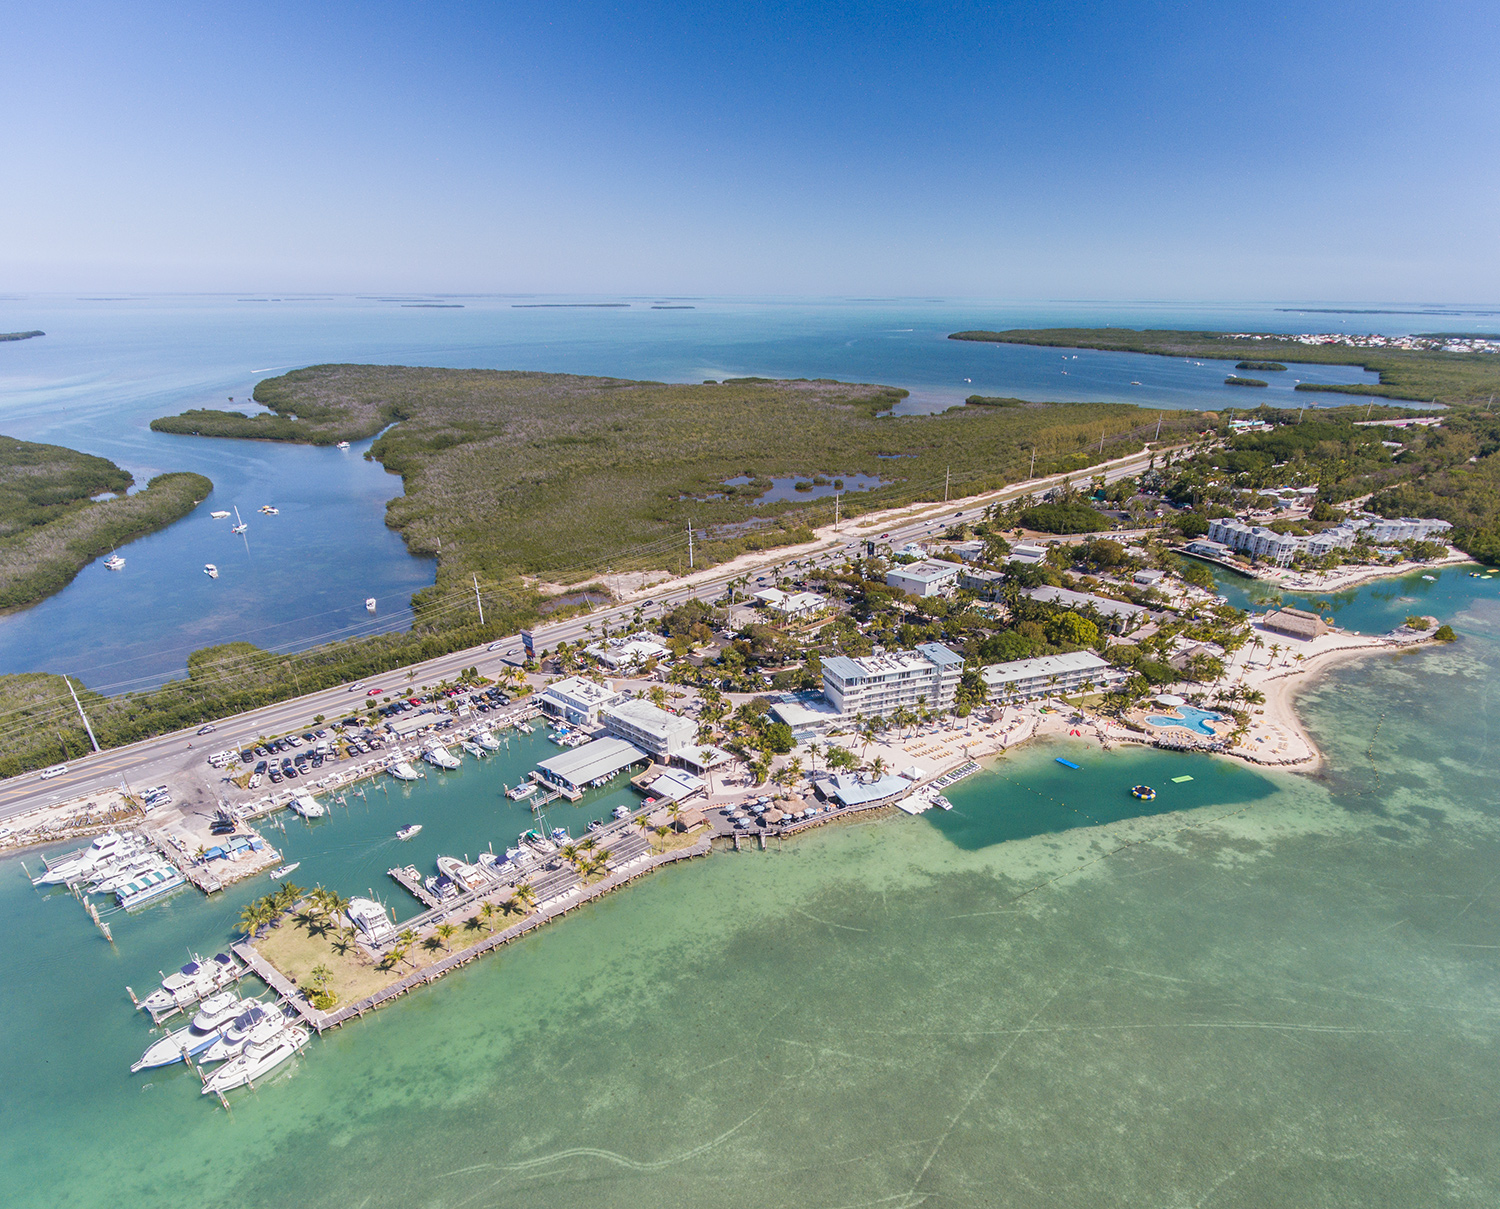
(166, 758)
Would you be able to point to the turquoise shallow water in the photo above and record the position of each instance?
(1268, 990)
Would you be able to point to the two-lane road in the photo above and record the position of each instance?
(158, 759)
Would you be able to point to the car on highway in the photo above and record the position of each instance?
(495, 646)
(356, 684)
(56, 770)
(207, 728)
(374, 692)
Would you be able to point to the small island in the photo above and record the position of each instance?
(20, 335)
(1264, 367)
(1236, 380)
(52, 524)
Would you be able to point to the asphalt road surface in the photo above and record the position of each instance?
(163, 759)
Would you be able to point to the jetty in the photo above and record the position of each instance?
(413, 883)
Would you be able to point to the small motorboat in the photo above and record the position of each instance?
(521, 791)
(342, 445)
(403, 771)
(622, 811)
(369, 604)
(472, 748)
(409, 831)
(1432, 579)
(211, 571)
(269, 510)
(114, 563)
(1144, 792)
(277, 874)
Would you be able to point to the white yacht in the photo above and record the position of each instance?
(472, 748)
(369, 604)
(487, 741)
(256, 1023)
(76, 866)
(465, 876)
(218, 516)
(191, 983)
(307, 807)
(111, 877)
(440, 756)
(409, 831)
(194, 1039)
(342, 445)
(521, 791)
(239, 526)
(370, 918)
(114, 562)
(256, 1059)
(403, 771)
(211, 571)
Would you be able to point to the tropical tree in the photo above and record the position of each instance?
(445, 930)
(487, 913)
(878, 766)
(320, 976)
(525, 895)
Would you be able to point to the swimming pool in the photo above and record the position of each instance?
(1192, 719)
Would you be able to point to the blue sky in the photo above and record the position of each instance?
(1063, 150)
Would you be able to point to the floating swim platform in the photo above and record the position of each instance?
(1066, 763)
(1180, 780)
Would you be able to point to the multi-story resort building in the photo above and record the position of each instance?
(878, 685)
(653, 730)
(1022, 679)
(577, 700)
(1267, 545)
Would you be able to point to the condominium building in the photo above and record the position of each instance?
(653, 730)
(931, 577)
(1259, 542)
(1022, 679)
(878, 685)
(576, 700)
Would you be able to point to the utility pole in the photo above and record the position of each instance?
(477, 601)
(1031, 474)
(690, 545)
(836, 512)
(947, 478)
(68, 680)
(1157, 437)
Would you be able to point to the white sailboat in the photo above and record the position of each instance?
(239, 526)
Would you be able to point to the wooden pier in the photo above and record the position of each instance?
(544, 914)
(412, 882)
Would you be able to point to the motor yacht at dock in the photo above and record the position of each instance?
(256, 1059)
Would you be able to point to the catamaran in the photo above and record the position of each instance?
(257, 1059)
(149, 886)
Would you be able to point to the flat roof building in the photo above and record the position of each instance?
(1021, 679)
(791, 605)
(878, 685)
(649, 728)
(1028, 555)
(930, 577)
(593, 763)
(629, 652)
(807, 713)
(984, 584)
(1116, 610)
(576, 700)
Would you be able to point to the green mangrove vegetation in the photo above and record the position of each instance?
(20, 335)
(1236, 380)
(1265, 367)
(51, 524)
(1420, 375)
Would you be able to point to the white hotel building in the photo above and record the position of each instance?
(1259, 542)
(878, 685)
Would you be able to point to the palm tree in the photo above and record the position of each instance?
(525, 895)
(487, 913)
(254, 917)
(877, 766)
(320, 976)
(813, 751)
(444, 931)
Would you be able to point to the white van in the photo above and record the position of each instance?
(56, 770)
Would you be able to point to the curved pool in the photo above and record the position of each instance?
(1196, 720)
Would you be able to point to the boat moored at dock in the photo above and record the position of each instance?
(256, 1059)
(191, 983)
(487, 741)
(149, 886)
(305, 805)
(521, 791)
(403, 771)
(255, 1023)
(370, 918)
(439, 756)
